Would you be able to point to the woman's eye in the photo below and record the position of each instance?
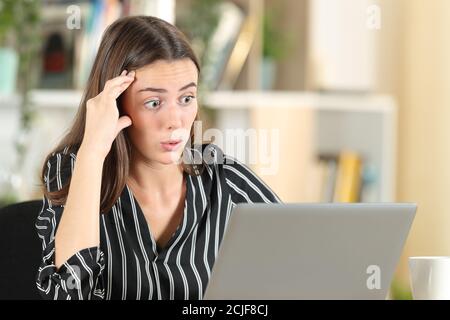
(152, 104)
(187, 99)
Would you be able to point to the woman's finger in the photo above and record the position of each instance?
(119, 80)
(119, 84)
(122, 123)
(119, 89)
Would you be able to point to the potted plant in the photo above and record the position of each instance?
(20, 42)
(275, 47)
(9, 60)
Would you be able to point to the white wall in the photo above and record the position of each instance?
(341, 46)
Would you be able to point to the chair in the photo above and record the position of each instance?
(20, 251)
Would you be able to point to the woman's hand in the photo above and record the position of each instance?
(102, 116)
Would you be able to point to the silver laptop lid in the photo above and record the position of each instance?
(310, 251)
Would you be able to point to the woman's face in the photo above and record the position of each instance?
(162, 104)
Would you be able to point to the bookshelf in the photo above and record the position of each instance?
(321, 124)
(70, 35)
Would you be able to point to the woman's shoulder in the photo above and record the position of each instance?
(59, 166)
(233, 169)
(62, 155)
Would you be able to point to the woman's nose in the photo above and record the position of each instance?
(173, 116)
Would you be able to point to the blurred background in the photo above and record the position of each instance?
(354, 92)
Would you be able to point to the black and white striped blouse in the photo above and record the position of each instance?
(128, 264)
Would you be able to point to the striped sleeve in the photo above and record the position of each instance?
(80, 276)
(245, 185)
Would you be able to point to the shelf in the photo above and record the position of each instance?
(56, 98)
(65, 99)
(298, 99)
(9, 100)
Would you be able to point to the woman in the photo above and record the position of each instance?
(123, 217)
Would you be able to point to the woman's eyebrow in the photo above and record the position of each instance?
(192, 84)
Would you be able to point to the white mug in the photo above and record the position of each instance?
(430, 278)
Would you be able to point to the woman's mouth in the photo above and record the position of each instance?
(170, 145)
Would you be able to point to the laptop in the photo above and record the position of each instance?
(310, 251)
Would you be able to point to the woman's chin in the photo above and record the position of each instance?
(172, 157)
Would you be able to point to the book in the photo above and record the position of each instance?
(97, 16)
(100, 14)
(325, 176)
(348, 178)
(227, 48)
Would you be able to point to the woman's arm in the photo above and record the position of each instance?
(79, 225)
(80, 276)
(72, 261)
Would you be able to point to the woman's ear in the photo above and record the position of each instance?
(121, 101)
(120, 105)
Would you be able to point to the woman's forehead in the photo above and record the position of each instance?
(168, 72)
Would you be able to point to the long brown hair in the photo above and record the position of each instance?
(127, 44)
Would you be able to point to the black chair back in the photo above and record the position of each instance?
(20, 251)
